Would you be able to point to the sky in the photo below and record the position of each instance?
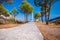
(55, 11)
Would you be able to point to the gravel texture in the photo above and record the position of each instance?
(27, 31)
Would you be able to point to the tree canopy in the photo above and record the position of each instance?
(26, 7)
(37, 15)
(3, 11)
(14, 12)
(6, 1)
(45, 7)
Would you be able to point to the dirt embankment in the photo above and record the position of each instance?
(50, 32)
(8, 25)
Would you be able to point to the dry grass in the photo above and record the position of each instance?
(8, 25)
(50, 32)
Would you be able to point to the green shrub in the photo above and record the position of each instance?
(12, 20)
(20, 22)
(2, 22)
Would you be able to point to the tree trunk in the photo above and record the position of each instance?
(46, 19)
(32, 17)
(42, 15)
(26, 17)
(49, 14)
(42, 18)
(14, 19)
(46, 16)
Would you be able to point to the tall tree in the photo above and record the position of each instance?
(37, 15)
(14, 12)
(44, 4)
(50, 3)
(3, 11)
(38, 4)
(26, 8)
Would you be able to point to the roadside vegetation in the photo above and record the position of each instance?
(26, 8)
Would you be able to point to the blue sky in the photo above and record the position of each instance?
(55, 11)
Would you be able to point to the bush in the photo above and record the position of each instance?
(57, 23)
(2, 22)
(12, 20)
(20, 22)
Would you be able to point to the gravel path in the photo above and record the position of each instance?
(27, 31)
